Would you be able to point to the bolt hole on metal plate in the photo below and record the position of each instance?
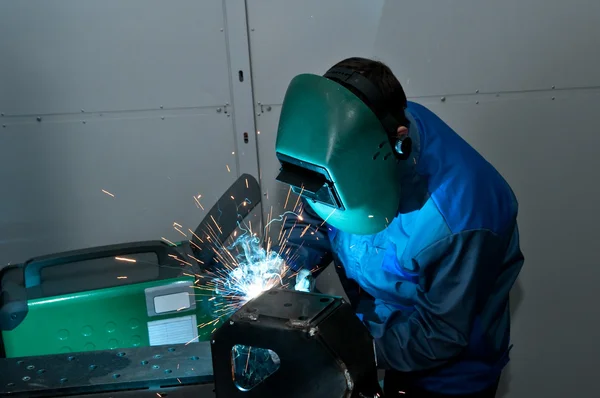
(122, 369)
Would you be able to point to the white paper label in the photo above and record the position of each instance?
(171, 302)
(179, 330)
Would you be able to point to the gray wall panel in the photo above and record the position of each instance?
(435, 47)
(53, 174)
(62, 56)
(292, 37)
(460, 46)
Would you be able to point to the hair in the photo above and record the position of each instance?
(383, 77)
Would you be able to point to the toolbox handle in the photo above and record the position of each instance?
(32, 268)
(13, 298)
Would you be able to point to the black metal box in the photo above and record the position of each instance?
(322, 348)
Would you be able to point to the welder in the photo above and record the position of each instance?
(421, 227)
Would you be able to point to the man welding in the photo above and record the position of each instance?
(421, 227)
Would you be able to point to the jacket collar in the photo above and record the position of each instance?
(414, 191)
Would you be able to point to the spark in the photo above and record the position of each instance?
(298, 198)
(180, 231)
(177, 225)
(168, 241)
(371, 216)
(247, 183)
(251, 271)
(288, 197)
(197, 237)
(121, 277)
(195, 259)
(330, 214)
(228, 169)
(192, 340)
(129, 260)
(108, 193)
(212, 218)
(198, 202)
(180, 260)
(304, 230)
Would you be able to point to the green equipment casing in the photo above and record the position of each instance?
(165, 310)
(116, 296)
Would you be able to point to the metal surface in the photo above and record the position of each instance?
(288, 305)
(152, 368)
(226, 216)
(193, 391)
(32, 268)
(322, 349)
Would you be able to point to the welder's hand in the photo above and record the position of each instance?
(304, 281)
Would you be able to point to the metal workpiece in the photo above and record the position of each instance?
(192, 391)
(152, 368)
(294, 344)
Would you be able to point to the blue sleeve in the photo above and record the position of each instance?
(456, 276)
(303, 240)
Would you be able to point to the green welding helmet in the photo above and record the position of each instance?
(336, 147)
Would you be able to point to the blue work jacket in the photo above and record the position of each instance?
(439, 275)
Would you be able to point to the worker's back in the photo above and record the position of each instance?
(446, 264)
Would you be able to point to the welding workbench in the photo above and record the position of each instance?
(322, 348)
